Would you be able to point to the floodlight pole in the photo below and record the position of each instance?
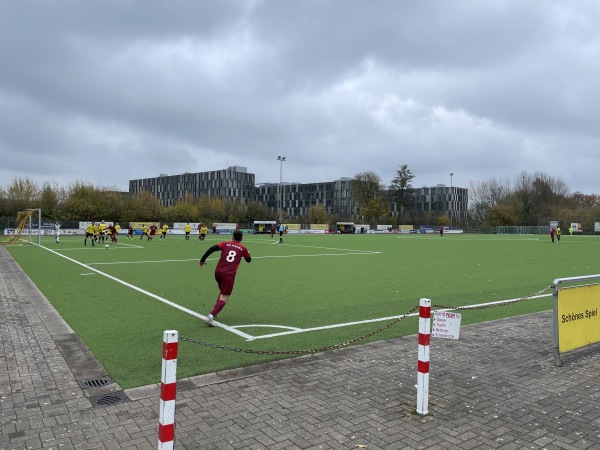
(281, 159)
(451, 210)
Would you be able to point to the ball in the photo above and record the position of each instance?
(106, 246)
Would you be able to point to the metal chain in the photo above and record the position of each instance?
(463, 308)
(299, 352)
(351, 341)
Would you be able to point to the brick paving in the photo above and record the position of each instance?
(495, 387)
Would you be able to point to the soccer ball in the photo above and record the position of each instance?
(106, 246)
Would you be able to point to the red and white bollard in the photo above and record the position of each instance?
(168, 390)
(423, 364)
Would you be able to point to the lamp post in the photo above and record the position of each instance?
(451, 211)
(281, 159)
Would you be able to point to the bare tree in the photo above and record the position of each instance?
(484, 195)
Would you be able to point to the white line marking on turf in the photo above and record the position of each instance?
(291, 330)
(253, 258)
(150, 294)
(381, 319)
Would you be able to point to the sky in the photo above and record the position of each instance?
(109, 91)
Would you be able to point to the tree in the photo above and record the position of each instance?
(401, 189)
(21, 194)
(82, 202)
(317, 214)
(145, 207)
(183, 211)
(484, 195)
(50, 200)
(367, 192)
(256, 211)
(211, 209)
(503, 215)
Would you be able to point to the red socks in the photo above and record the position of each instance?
(217, 308)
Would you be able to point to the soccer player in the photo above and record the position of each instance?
(163, 235)
(152, 229)
(203, 232)
(552, 231)
(558, 234)
(272, 230)
(57, 232)
(112, 231)
(102, 230)
(187, 228)
(130, 232)
(89, 233)
(441, 231)
(281, 229)
(232, 253)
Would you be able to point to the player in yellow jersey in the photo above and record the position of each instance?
(187, 228)
(163, 235)
(89, 233)
(203, 232)
(102, 230)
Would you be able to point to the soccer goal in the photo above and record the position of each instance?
(29, 223)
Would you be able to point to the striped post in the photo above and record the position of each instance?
(168, 389)
(423, 364)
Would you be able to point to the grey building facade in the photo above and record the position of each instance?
(236, 184)
(231, 184)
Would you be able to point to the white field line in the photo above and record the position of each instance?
(253, 258)
(150, 294)
(291, 330)
(91, 247)
(381, 319)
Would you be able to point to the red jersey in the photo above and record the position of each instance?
(232, 253)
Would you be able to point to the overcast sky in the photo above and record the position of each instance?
(113, 90)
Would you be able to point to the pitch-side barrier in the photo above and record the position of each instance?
(576, 318)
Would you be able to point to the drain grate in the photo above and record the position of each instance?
(95, 382)
(108, 399)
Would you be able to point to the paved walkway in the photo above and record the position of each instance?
(496, 387)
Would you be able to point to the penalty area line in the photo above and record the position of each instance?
(149, 294)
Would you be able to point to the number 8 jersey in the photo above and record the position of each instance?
(232, 253)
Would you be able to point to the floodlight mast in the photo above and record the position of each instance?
(451, 203)
(281, 159)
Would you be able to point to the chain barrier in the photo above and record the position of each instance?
(495, 305)
(299, 352)
(352, 341)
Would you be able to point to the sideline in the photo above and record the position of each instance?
(149, 294)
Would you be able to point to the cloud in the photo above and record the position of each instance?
(125, 90)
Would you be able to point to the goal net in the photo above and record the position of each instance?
(27, 224)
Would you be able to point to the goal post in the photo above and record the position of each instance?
(29, 222)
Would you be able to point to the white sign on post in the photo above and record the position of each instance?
(446, 325)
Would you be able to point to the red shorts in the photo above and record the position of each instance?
(225, 282)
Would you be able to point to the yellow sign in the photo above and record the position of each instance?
(319, 226)
(293, 226)
(578, 318)
(140, 225)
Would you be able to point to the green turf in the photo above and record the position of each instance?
(308, 282)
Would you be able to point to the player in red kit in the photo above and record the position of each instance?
(232, 253)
